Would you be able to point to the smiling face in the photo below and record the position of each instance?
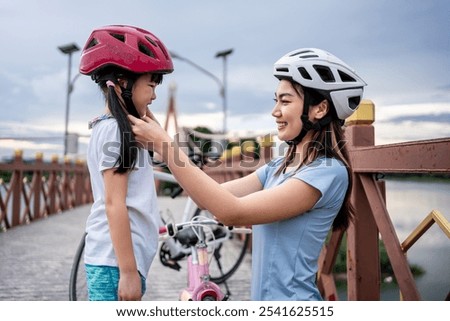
(287, 111)
(143, 93)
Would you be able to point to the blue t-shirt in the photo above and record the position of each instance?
(285, 253)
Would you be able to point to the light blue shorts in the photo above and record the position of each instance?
(103, 282)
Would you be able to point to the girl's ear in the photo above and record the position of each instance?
(320, 110)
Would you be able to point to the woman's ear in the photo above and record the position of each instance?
(320, 110)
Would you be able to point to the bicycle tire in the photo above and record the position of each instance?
(228, 256)
(77, 284)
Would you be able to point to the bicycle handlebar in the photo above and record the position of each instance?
(170, 230)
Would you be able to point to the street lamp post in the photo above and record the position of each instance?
(223, 54)
(221, 83)
(68, 49)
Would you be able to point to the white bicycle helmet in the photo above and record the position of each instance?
(322, 71)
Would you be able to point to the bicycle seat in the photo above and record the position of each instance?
(187, 237)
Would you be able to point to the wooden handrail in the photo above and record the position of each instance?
(53, 187)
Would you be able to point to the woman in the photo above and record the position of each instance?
(127, 63)
(293, 201)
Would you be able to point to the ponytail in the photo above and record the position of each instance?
(128, 150)
(106, 78)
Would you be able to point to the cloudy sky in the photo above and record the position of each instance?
(400, 48)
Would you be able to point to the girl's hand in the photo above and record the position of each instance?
(148, 132)
(130, 287)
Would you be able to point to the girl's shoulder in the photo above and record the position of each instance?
(104, 128)
(104, 119)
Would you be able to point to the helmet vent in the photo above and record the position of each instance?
(145, 50)
(345, 77)
(92, 43)
(308, 56)
(118, 37)
(151, 41)
(298, 53)
(282, 69)
(324, 73)
(304, 73)
(353, 102)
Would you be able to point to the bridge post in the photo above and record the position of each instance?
(363, 262)
(78, 182)
(53, 186)
(66, 192)
(17, 186)
(37, 186)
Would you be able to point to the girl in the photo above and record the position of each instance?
(127, 63)
(293, 201)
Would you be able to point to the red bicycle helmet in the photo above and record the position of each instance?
(128, 47)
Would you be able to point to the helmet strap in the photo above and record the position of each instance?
(309, 125)
(127, 98)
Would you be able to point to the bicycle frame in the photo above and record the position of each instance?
(200, 287)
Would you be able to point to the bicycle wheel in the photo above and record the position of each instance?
(228, 255)
(77, 284)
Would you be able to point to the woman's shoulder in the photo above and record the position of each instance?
(273, 164)
(327, 164)
(323, 161)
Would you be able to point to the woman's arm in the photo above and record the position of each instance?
(287, 200)
(243, 186)
(119, 225)
(240, 186)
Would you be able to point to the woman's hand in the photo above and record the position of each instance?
(148, 132)
(149, 114)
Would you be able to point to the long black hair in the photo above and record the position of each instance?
(120, 108)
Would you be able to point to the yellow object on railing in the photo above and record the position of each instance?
(364, 115)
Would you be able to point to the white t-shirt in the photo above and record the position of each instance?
(141, 200)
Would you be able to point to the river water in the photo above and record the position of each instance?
(409, 201)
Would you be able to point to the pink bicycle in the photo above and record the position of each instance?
(198, 237)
